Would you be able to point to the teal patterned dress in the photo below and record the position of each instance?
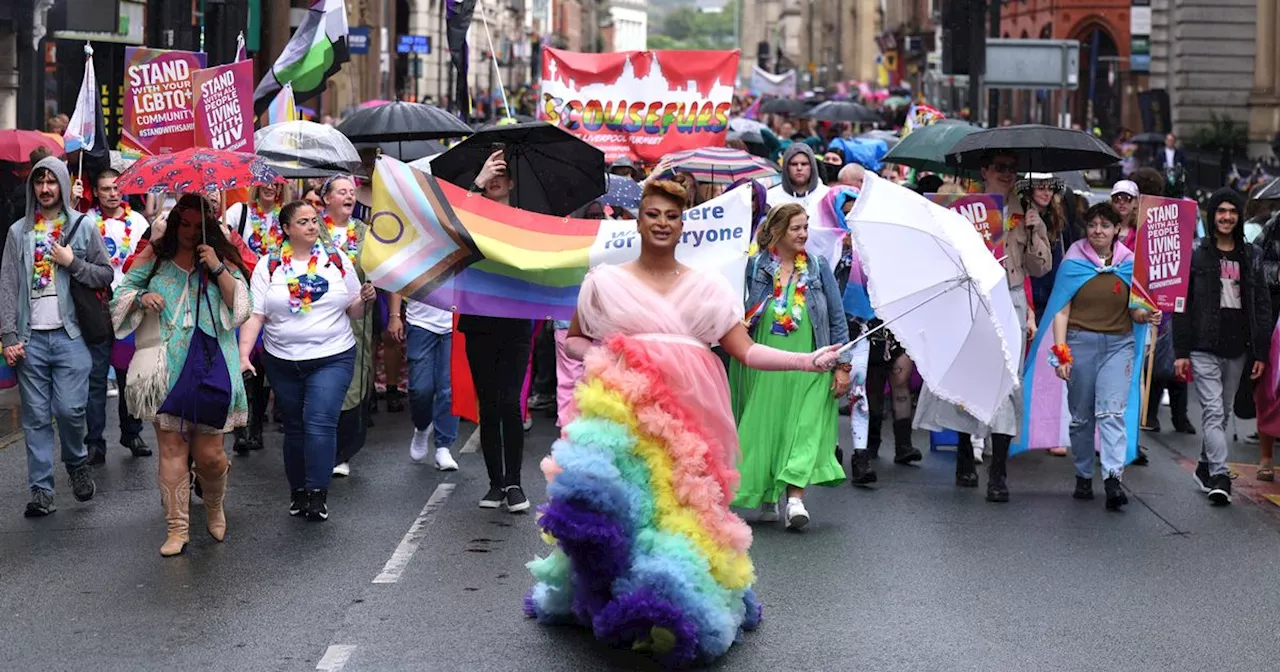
(163, 342)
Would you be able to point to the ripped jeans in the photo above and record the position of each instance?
(1098, 396)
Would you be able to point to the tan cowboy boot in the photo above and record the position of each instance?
(215, 490)
(175, 497)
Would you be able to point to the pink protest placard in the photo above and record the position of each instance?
(984, 211)
(158, 117)
(224, 106)
(1162, 262)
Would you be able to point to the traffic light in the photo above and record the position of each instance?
(963, 33)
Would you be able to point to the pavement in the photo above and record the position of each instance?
(409, 574)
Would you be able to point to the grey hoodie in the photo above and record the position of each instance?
(808, 195)
(91, 267)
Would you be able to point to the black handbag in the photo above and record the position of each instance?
(93, 310)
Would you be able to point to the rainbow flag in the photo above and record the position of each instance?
(415, 241)
(533, 264)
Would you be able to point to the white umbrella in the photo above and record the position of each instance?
(304, 149)
(945, 297)
(423, 164)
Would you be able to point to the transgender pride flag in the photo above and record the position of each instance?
(81, 131)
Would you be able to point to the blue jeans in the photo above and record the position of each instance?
(50, 382)
(96, 410)
(430, 387)
(309, 395)
(1098, 396)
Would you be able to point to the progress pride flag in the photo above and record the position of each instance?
(640, 104)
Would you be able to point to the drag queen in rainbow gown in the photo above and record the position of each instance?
(648, 554)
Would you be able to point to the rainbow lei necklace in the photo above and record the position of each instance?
(299, 297)
(264, 238)
(350, 242)
(42, 271)
(126, 242)
(788, 308)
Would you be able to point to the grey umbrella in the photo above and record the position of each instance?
(1270, 192)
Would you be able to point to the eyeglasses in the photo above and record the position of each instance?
(1004, 168)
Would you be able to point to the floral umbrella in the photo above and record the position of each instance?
(195, 170)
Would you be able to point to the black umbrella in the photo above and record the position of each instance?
(1270, 192)
(1038, 149)
(406, 151)
(402, 122)
(844, 110)
(784, 106)
(555, 172)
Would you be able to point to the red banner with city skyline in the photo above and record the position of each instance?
(640, 104)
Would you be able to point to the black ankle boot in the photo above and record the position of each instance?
(966, 472)
(997, 490)
(874, 423)
(903, 451)
(861, 472)
(242, 441)
(395, 403)
(1084, 488)
(1115, 494)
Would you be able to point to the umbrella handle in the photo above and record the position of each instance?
(955, 283)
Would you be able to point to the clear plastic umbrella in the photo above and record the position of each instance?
(297, 147)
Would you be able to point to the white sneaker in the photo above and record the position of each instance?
(797, 516)
(528, 423)
(343, 470)
(769, 512)
(419, 446)
(977, 455)
(445, 461)
(112, 390)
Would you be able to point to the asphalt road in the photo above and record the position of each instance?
(409, 574)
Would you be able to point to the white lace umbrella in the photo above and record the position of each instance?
(942, 293)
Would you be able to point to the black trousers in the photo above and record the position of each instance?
(498, 363)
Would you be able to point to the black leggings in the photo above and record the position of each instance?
(498, 363)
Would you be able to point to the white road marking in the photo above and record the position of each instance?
(473, 442)
(409, 544)
(336, 657)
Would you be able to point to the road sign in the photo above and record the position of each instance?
(358, 40)
(414, 44)
(1032, 64)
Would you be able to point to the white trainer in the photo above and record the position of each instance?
(445, 461)
(343, 470)
(419, 446)
(797, 516)
(769, 512)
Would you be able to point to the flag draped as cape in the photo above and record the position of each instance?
(1046, 419)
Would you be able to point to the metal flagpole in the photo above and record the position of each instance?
(494, 57)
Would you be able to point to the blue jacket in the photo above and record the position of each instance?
(826, 308)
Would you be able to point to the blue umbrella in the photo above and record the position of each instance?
(621, 192)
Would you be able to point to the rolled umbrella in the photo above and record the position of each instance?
(844, 111)
(554, 171)
(306, 149)
(622, 192)
(926, 148)
(17, 145)
(402, 122)
(717, 165)
(1036, 148)
(1270, 192)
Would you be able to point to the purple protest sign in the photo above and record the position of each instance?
(1162, 262)
(224, 106)
(158, 116)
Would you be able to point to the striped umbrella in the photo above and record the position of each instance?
(718, 165)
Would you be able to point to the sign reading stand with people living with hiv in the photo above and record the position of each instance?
(1162, 262)
(640, 104)
(158, 116)
(224, 106)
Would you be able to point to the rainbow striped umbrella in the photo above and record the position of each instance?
(718, 165)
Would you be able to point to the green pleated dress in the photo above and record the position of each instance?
(788, 421)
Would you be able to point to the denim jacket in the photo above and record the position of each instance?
(826, 308)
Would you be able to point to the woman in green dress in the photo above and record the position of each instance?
(788, 420)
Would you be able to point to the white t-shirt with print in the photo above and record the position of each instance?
(113, 231)
(323, 331)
